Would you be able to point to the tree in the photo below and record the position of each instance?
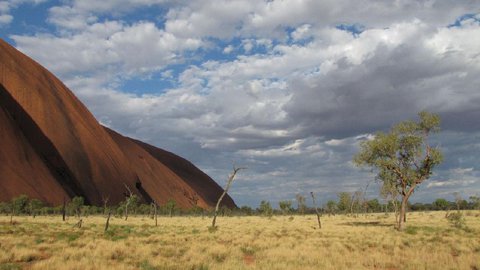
(389, 192)
(460, 203)
(301, 206)
(229, 183)
(131, 200)
(356, 202)
(344, 201)
(403, 157)
(34, 206)
(246, 210)
(265, 208)
(316, 210)
(475, 202)
(285, 206)
(154, 205)
(105, 202)
(441, 204)
(20, 204)
(331, 207)
(75, 205)
(374, 205)
(5, 207)
(170, 206)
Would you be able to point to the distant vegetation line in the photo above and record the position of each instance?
(347, 203)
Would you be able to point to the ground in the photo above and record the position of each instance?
(280, 242)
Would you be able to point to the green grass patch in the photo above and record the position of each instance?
(248, 250)
(68, 236)
(145, 265)
(10, 266)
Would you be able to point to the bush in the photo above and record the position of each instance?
(457, 220)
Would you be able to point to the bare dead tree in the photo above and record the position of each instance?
(128, 200)
(105, 201)
(78, 224)
(390, 193)
(108, 221)
(229, 183)
(365, 202)
(316, 210)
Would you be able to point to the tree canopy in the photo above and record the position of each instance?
(403, 157)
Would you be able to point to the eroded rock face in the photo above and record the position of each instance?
(52, 147)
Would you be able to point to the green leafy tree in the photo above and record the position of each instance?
(460, 203)
(170, 206)
(403, 157)
(441, 204)
(331, 207)
(344, 201)
(265, 208)
(34, 207)
(20, 204)
(285, 206)
(475, 202)
(75, 206)
(5, 207)
(374, 205)
(246, 210)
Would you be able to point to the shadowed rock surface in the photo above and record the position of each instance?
(52, 147)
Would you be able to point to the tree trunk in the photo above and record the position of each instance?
(402, 219)
(126, 211)
(316, 210)
(63, 209)
(351, 204)
(108, 221)
(401, 223)
(155, 213)
(127, 200)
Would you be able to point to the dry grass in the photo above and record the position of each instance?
(365, 242)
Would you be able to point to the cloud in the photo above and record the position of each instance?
(274, 86)
(110, 46)
(7, 6)
(5, 19)
(77, 15)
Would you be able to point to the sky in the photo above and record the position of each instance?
(287, 88)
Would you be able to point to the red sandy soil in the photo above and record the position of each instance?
(52, 147)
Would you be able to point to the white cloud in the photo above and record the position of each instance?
(6, 7)
(77, 15)
(301, 32)
(129, 49)
(5, 19)
(228, 49)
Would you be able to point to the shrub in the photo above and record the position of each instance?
(457, 220)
